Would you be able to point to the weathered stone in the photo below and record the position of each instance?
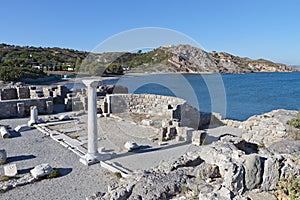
(4, 132)
(198, 137)
(253, 171)
(21, 128)
(257, 195)
(10, 170)
(217, 194)
(131, 145)
(41, 170)
(64, 117)
(23, 92)
(8, 94)
(233, 177)
(3, 156)
(271, 173)
(285, 147)
(147, 122)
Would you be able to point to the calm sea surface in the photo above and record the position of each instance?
(235, 96)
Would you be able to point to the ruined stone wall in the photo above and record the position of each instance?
(143, 103)
(21, 108)
(171, 107)
(8, 93)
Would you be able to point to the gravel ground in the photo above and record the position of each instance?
(33, 148)
(114, 133)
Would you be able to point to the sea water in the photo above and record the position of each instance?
(235, 96)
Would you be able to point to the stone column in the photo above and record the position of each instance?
(33, 116)
(108, 104)
(49, 107)
(20, 109)
(92, 155)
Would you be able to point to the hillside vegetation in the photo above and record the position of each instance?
(30, 62)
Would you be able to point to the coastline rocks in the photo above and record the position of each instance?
(271, 173)
(41, 170)
(267, 128)
(221, 170)
(286, 147)
(3, 156)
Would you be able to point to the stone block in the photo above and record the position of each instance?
(171, 132)
(41, 170)
(23, 92)
(10, 170)
(22, 128)
(198, 137)
(9, 93)
(147, 122)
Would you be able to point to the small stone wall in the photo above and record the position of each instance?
(21, 108)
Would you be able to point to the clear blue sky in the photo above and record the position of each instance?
(267, 29)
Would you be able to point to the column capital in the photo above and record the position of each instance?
(91, 82)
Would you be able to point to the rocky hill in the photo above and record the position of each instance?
(16, 60)
(186, 58)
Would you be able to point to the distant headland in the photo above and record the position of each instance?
(17, 63)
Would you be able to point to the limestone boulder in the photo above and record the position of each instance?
(258, 195)
(64, 117)
(215, 194)
(147, 122)
(131, 145)
(41, 170)
(285, 147)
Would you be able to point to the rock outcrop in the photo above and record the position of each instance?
(267, 128)
(186, 58)
(229, 168)
(217, 171)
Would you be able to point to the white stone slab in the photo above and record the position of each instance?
(10, 170)
(22, 128)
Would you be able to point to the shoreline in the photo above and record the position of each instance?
(79, 78)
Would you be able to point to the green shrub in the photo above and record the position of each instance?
(5, 178)
(295, 122)
(184, 188)
(54, 174)
(290, 187)
(118, 175)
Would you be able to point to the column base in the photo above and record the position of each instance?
(89, 159)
